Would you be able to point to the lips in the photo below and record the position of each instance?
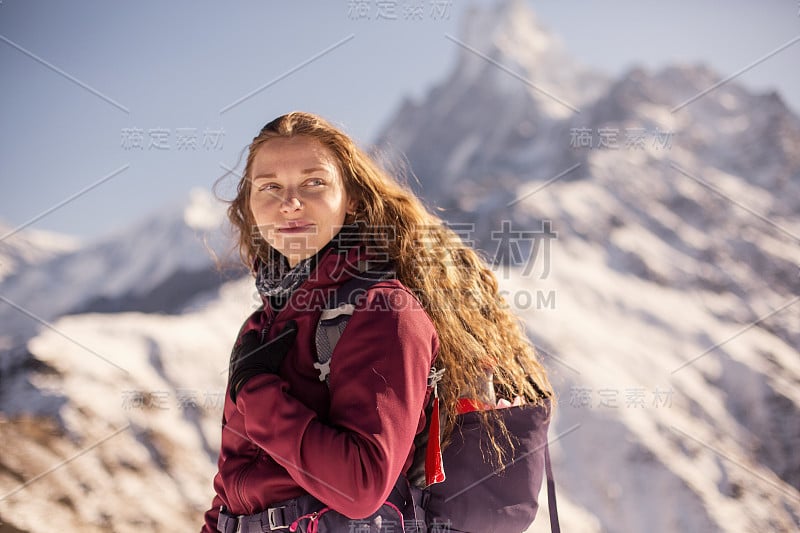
(298, 226)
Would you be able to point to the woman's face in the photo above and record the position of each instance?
(297, 196)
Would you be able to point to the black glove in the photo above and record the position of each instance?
(250, 358)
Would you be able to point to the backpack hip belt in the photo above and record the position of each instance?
(401, 513)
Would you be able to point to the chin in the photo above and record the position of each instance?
(302, 252)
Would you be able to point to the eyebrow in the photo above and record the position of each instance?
(272, 175)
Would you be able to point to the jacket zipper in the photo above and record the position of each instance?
(240, 481)
(267, 325)
(247, 467)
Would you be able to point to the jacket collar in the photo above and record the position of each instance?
(344, 257)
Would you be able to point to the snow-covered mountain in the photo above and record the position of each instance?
(513, 80)
(714, 178)
(156, 265)
(662, 222)
(163, 264)
(135, 400)
(56, 391)
(649, 242)
(21, 249)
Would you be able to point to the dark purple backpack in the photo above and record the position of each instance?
(476, 495)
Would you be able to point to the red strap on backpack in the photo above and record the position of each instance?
(434, 468)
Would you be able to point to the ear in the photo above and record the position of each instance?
(352, 203)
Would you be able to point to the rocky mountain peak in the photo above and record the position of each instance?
(509, 32)
(507, 47)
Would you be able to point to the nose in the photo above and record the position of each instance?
(290, 202)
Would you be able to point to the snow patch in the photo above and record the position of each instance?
(204, 211)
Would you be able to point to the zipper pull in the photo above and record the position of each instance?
(267, 326)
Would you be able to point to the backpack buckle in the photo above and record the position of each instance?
(276, 518)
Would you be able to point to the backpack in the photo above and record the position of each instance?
(473, 496)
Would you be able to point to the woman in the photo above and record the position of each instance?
(329, 452)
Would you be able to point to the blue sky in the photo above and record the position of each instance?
(79, 79)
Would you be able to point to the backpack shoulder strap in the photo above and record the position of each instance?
(338, 310)
(552, 508)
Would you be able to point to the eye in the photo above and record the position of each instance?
(315, 182)
(267, 187)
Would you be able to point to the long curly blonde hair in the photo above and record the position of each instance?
(477, 331)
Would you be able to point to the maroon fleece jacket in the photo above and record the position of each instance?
(344, 443)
